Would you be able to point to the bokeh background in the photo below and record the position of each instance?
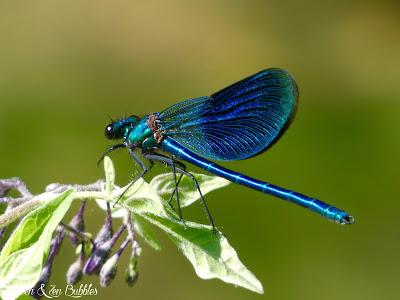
(65, 66)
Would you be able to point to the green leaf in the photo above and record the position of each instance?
(164, 184)
(140, 224)
(139, 191)
(116, 212)
(143, 228)
(210, 254)
(22, 257)
(113, 192)
(144, 200)
(24, 297)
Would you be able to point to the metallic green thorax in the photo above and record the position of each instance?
(140, 135)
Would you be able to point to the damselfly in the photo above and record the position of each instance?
(238, 122)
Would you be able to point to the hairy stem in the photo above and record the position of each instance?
(19, 207)
(19, 211)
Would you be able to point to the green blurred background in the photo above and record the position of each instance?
(66, 65)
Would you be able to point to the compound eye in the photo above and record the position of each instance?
(109, 133)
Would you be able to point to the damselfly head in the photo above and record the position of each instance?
(115, 130)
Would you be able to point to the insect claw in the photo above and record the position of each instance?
(100, 160)
(347, 220)
(112, 148)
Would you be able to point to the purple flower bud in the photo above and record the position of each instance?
(1, 233)
(106, 231)
(109, 269)
(57, 241)
(101, 253)
(78, 224)
(43, 280)
(74, 272)
(46, 270)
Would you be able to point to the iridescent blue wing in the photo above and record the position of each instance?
(237, 122)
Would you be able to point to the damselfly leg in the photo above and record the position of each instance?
(173, 164)
(175, 190)
(111, 149)
(144, 168)
(210, 219)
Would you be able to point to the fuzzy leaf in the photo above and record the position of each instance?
(164, 184)
(143, 228)
(114, 191)
(210, 254)
(22, 257)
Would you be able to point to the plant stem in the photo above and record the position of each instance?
(83, 235)
(19, 211)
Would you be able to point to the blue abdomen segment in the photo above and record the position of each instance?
(330, 212)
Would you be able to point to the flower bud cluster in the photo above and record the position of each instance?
(94, 257)
(100, 261)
